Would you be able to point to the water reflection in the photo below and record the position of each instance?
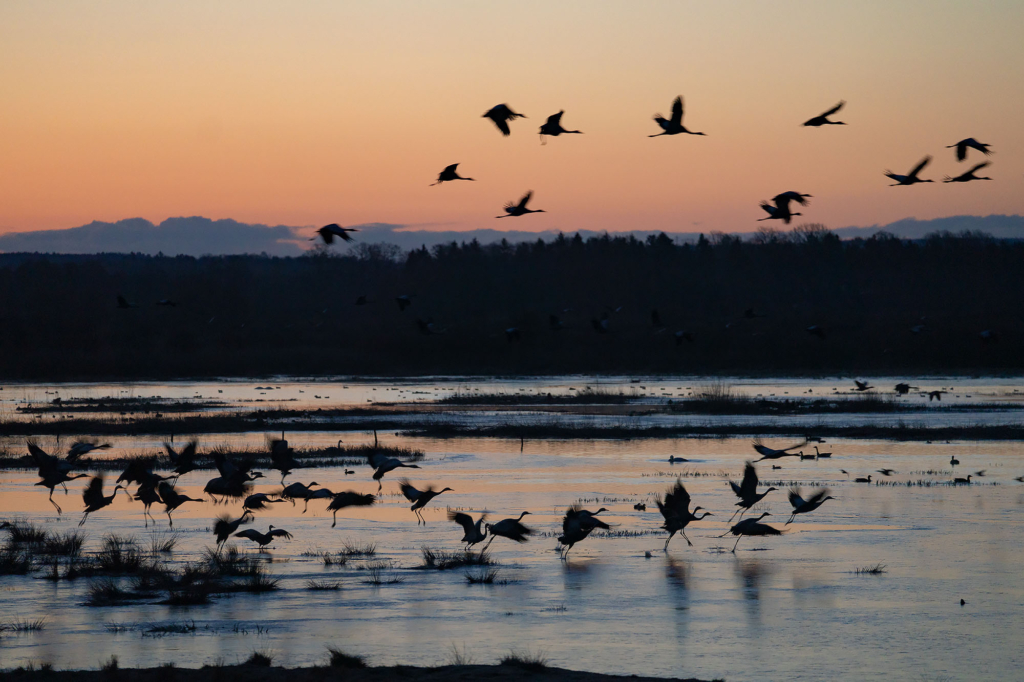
(751, 575)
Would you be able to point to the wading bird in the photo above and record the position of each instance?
(225, 526)
(512, 529)
(747, 490)
(751, 527)
(472, 531)
(674, 125)
(94, 498)
(184, 461)
(970, 175)
(769, 453)
(264, 539)
(449, 174)
(329, 232)
(822, 119)
(910, 178)
(299, 491)
(501, 115)
(802, 506)
(172, 499)
(675, 508)
(553, 127)
(419, 498)
(969, 143)
(577, 524)
(382, 464)
(513, 210)
(348, 499)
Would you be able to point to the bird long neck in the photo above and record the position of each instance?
(521, 516)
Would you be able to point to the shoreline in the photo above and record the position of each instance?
(514, 672)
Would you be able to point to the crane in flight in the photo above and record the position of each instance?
(329, 232)
(674, 125)
(473, 532)
(449, 174)
(348, 498)
(513, 529)
(419, 498)
(553, 127)
(577, 524)
(970, 175)
(95, 499)
(822, 119)
(910, 178)
(500, 115)
(675, 508)
(751, 527)
(747, 490)
(802, 506)
(969, 143)
(768, 453)
(514, 210)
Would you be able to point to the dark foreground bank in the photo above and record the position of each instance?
(253, 673)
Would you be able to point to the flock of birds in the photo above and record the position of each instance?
(779, 208)
(236, 478)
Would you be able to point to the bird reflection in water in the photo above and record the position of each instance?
(751, 576)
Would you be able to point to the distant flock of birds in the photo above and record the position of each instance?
(236, 477)
(779, 208)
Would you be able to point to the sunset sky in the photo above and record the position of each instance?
(304, 113)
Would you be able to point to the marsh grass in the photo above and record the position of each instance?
(24, 533)
(381, 573)
(108, 592)
(163, 544)
(525, 660)
(14, 561)
(263, 658)
(22, 625)
(323, 585)
(338, 659)
(352, 550)
(457, 657)
(120, 554)
(484, 578)
(877, 569)
(443, 560)
(185, 627)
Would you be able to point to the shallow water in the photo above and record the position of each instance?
(785, 607)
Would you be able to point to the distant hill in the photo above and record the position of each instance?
(196, 236)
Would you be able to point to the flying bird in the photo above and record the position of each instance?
(675, 508)
(514, 210)
(553, 127)
(862, 385)
(777, 212)
(225, 526)
(674, 125)
(752, 527)
(747, 490)
(501, 115)
(264, 539)
(472, 530)
(577, 524)
(172, 499)
(184, 461)
(382, 464)
(512, 529)
(94, 498)
(80, 448)
(258, 502)
(449, 174)
(348, 499)
(768, 453)
(970, 143)
(419, 498)
(802, 506)
(911, 177)
(329, 232)
(822, 119)
(970, 175)
(282, 458)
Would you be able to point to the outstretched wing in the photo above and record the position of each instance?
(977, 168)
(769, 209)
(834, 109)
(350, 499)
(817, 497)
(450, 169)
(795, 499)
(920, 167)
(249, 533)
(93, 492)
(526, 199)
(464, 520)
(748, 488)
(677, 110)
(555, 119)
(502, 125)
(281, 533)
(411, 493)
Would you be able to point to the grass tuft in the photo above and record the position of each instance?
(484, 578)
(263, 659)
(877, 569)
(442, 560)
(525, 660)
(323, 585)
(339, 659)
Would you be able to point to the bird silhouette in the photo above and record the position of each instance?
(53, 471)
(910, 178)
(752, 527)
(382, 464)
(148, 495)
(802, 506)
(512, 529)
(184, 461)
(862, 386)
(403, 301)
(328, 232)
(299, 491)
(449, 174)
(348, 498)
(419, 498)
(94, 498)
(863, 479)
(747, 490)
(886, 472)
(953, 461)
(473, 532)
(514, 210)
(970, 175)
(553, 127)
(501, 115)
(258, 502)
(264, 539)
(935, 395)
(962, 481)
(225, 526)
(282, 458)
(769, 453)
(172, 499)
(777, 213)
(969, 143)
(674, 125)
(80, 448)
(675, 508)
(822, 119)
(577, 524)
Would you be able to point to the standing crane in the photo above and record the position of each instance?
(675, 507)
(264, 539)
(419, 498)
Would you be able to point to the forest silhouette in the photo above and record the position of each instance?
(802, 301)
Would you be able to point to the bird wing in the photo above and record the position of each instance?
(748, 488)
(464, 520)
(411, 493)
(249, 533)
(171, 454)
(769, 209)
(961, 149)
(817, 496)
(920, 167)
(677, 110)
(502, 125)
(376, 458)
(350, 499)
(167, 492)
(555, 119)
(450, 169)
(281, 533)
(977, 168)
(526, 199)
(677, 500)
(93, 492)
(833, 109)
(795, 499)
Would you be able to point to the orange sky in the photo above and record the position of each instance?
(312, 112)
